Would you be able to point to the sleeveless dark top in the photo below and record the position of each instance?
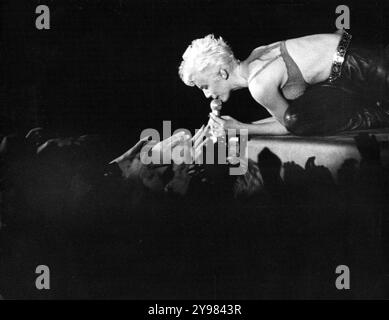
(295, 84)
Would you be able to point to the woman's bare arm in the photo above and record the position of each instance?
(265, 90)
(266, 128)
(266, 120)
(270, 97)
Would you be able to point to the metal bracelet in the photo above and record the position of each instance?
(339, 55)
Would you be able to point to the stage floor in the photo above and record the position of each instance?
(329, 151)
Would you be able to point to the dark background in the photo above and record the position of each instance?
(111, 66)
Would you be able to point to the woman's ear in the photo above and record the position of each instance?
(224, 74)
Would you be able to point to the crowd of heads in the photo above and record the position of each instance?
(66, 187)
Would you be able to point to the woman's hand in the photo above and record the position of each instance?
(224, 123)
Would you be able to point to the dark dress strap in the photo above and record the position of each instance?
(295, 84)
(258, 56)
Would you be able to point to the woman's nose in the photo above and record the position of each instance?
(206, 93)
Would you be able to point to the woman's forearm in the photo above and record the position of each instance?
(266, 128)
(266, 120)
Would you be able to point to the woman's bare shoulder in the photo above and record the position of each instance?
(312, 40)
(264, 52)
(320, 39)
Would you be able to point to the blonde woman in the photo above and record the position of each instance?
(316, 84)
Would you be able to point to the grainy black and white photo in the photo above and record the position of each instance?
(194, 150)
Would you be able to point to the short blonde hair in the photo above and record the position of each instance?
(203, 53)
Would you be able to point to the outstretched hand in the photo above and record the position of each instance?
(130, 154)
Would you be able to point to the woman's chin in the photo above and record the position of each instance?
(224, 98)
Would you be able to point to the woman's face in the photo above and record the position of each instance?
(213, 85)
